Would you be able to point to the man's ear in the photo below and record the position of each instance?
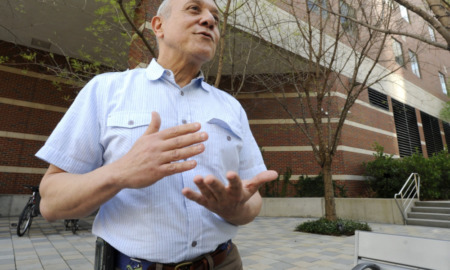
(157, 22)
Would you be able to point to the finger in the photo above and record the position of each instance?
(184, 140)
(180, 154)
(180, 130)
(235, 186)
(208, 188)
(154, 125)
(177, 167)
(194, 196)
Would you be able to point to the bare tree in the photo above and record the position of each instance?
(326, 61)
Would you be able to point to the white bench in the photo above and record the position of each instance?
(379, 251)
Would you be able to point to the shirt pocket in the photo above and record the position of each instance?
(224, 144)
(225, 126)
(128, 119)
(123, 129)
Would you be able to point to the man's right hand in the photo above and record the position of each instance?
(157, 154)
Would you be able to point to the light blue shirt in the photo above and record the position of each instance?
(112, 111)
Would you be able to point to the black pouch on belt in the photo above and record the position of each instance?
(104, 255)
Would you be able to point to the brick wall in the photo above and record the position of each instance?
(30, 109)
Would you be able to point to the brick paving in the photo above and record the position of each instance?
(266, 243)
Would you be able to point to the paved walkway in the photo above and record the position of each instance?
(267, 243)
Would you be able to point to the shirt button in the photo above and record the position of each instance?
(131, 122)
(194, 244)
(229, 138)
(184, 121)
(182, 93)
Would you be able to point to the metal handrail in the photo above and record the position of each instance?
(407, 194)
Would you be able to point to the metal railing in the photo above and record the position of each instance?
(407, 194)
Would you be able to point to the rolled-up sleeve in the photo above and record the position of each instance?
(74, 144)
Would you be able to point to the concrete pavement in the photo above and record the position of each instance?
(266, 243)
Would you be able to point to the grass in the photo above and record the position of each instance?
(337, 228)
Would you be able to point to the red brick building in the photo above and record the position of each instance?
(399, 116)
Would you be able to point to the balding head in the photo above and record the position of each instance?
(164, 9)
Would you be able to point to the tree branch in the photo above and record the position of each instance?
(440, 27)
(139, 33)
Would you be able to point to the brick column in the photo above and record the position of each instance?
(139, 55)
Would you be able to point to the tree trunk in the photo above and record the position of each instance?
(222, 43)
(330, 207)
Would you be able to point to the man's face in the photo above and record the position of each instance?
(191, 29)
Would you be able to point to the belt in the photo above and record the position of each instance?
(204, 262)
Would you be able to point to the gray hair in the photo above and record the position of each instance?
(164, 9)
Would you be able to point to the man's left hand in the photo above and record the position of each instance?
(238, 203)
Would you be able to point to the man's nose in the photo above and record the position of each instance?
(208, 20)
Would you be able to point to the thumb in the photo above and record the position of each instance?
(260, 179)
(154, 125)
(265, 176)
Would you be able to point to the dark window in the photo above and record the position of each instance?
(398, 52)
(432, 133)
(447, 133)
(317, 5)
(406, 128)
(348, 11)
(378, 99)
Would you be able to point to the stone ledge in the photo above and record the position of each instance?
(362, 209)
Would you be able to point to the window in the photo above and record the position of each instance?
(432, 133)
(398, 52)
(378, 99)
(414, 63)
(406, 127)
(404, 13)
(348, 11)
(443, 83)
(431, 31)
(317, 5)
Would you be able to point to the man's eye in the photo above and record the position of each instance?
(195, 8)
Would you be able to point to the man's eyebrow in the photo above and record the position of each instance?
(213, 8)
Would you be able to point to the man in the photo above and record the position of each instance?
(161, 153)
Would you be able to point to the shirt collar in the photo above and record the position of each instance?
(155, 71)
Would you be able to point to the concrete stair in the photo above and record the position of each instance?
(430, 213)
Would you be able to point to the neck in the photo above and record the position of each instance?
(183, 70)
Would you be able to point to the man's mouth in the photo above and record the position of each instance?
(206, 34)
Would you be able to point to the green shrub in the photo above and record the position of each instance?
(338, 227)
(314, 187)
(304, 187)
(387, 175)
(278, 187)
